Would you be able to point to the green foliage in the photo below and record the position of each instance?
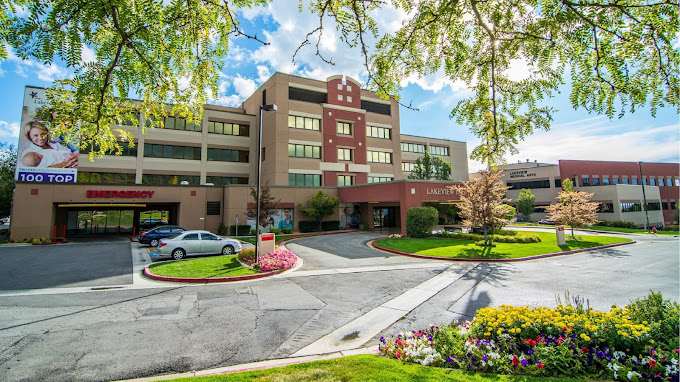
(497, 238)
(247, 256)
(161, 52)
(450, 341)
(662, 316)
(567, 185)
(8, 160)
(448, 213)
(241, 229)
(319, 206)
(618, 56)
(222, 229)
(430, 167)
(420, 221)
(525, 203)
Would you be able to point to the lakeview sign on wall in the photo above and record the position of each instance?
(440, 191)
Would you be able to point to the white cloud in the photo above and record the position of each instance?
(262, 73)
(44, 72)
(596, 138)
(87, 54)
(9, 131)
(244, 86)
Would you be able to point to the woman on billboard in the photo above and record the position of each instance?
(43, 152)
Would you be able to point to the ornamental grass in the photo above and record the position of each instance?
(625, 343)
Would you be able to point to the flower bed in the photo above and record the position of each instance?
(634, 343)
(281, 258)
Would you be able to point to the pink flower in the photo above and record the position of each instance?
(281, 258)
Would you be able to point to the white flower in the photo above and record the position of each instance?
(619, 354)
(632, 374)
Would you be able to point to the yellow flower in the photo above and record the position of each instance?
(585, 337)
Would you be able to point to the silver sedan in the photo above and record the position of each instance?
(195, 243)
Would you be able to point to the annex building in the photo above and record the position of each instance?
(326, 135)
(634, 192)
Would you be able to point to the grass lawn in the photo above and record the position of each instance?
(632, 230)
(672, 230)
(207, 266)
(362, 368)
(458, 248)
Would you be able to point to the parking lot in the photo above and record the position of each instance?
(70, 265)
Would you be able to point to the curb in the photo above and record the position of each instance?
(207, 280)
(259, 365)
(372, 245)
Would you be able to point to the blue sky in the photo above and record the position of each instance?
(575, 134)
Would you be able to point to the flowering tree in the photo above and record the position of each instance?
(573, 208)
(482, 202)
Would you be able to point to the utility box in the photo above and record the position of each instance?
(265, 243)
(559, 230)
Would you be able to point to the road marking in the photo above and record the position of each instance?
(362, 329)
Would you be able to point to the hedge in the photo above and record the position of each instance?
(421, 220)
(496, 238)
(243, 229)
(313, 226)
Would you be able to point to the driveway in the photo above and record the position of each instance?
(345, 250)
(66, 265)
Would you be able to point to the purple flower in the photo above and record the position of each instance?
(600, 354)
(530, 351)
(449, 359)
(485, 358)
(382, 339)
(524, 362)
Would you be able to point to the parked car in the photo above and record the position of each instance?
(196, 243)
(4, 221)
(546, 221)
(153, 236)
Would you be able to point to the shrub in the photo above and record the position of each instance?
(281, 258)
(243, 229)
(420, 221)
(287, 231)
(496, 238)
(330, 225)
(620, 224)
(36, 241)
(222, 229)
(247, 256)
(308, 226)
(662, 316)
(275, 231)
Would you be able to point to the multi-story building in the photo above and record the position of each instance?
(325, 135)
(637, 192)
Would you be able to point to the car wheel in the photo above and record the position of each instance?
(227, 250)
(154, 243)
(178, 254)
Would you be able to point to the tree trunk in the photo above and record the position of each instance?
(572, 233)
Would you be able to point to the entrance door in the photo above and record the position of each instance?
(98, 222)
(384, 217)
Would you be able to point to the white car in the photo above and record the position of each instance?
(195, 243)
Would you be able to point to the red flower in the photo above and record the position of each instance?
(515, 361)
(540, 365)
(530, 342)
(397, 354)
(651, 362)
(584, 350)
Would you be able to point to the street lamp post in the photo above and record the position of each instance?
(644, 197)
(271, 107)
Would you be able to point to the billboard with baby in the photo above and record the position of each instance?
(42, 156)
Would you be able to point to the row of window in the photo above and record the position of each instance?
(439, 150)
(85, 177)
(412, 147)
(125, 148)
(304, 151)
(226, 128)
(587, 180)
(379, 157)
(529, 184)
(304, 95)
(379, 179)
(228, 155)
(304, 180)
(152, 150)
(407, 166)
(306, 123)
(636, 206)
(379, 132)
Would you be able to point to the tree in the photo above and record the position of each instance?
(319, 206)
(481, 202)
(525, 203)
(267, 204)
(618, 56)
(430, 167)
(573, 208)
(8, 160)
(162, 52)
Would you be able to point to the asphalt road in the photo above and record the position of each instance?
(73, 265)
(116, 334)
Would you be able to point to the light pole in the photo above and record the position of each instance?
(271, 107)
(644, 197)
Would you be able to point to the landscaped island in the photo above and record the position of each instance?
(466, 246)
